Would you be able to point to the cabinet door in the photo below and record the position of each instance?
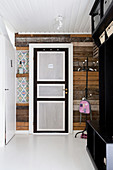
(96, 17)
(10, 91)
(106, 4)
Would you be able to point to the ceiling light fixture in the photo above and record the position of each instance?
(59, 19)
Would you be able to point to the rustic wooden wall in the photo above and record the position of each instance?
(83, 48)
(23, 40)
(80, 54)
(22, 117)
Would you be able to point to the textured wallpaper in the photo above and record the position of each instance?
(23, 56)
(23, 82)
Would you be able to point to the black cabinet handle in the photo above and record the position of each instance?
(6, 89)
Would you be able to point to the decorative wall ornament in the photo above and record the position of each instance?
(23, 56)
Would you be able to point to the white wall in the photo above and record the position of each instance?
(11, 33)
(7, 53)
(7, 81)
(2, 91)
(10, 104)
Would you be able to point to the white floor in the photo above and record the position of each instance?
(28, 152)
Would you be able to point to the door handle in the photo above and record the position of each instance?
(6, 89)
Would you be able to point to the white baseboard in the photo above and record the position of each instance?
(22, 132)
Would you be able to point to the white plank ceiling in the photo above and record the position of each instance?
(40, 15)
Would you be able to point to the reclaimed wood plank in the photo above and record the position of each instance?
(77, 57)
(22, 128)
(78, 127)
(83, 86)
(80, 82)
(92, 102)
(22, 75)
(76, 116)
(22, 104)
(83, 73)
(92, 95)
(83, 78)
(53, 35)
(22, 115)
(22, 124)
(83, 49)
(80, 63)
(93, 107)
(22, 48)
(41, 35)
(79, 124)
(81, 35)
(84, 44)
(24, 40)
(83, 54)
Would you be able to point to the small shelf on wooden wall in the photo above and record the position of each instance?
(22, 104)
(22, 75)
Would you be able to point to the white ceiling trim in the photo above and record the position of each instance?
(55, 33)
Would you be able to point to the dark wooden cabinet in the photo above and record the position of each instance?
(100, 146)
(101, 16)
(96, 15)
(100, 133)
(106, 83)
(106, 4)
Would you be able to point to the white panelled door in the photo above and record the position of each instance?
(10, 120)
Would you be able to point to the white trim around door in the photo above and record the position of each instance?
(70, 81)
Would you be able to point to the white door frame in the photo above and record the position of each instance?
(70, 81)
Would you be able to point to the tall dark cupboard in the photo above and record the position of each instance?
(100, 133)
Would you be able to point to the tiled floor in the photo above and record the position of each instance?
(28, 152)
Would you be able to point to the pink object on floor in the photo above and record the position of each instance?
(84, 136)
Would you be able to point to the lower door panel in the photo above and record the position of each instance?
(50, 115)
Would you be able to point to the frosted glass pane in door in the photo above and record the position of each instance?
(50, 115)
(51, 66)
(51, 90)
